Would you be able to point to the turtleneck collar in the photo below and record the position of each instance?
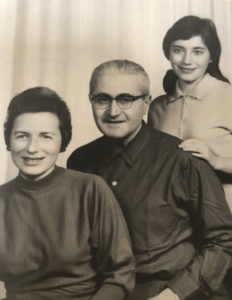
(44, 183)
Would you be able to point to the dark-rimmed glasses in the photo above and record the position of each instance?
(124, 101)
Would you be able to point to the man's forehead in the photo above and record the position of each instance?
(119, 82)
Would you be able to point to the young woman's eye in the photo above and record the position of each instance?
(177, 50)
(198, 52)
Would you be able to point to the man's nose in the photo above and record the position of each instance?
(32, 145)
(114, 109)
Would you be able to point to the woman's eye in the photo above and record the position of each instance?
(46, 137)
(198, 52)
(21, 136)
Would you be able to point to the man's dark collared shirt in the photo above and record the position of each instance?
(174, 205)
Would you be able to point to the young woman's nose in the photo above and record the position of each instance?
(187, 57)
(32, 145)
(114, 109)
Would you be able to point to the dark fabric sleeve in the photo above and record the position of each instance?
(76, 161)
(213, 222)
(113, 258)
(109, 292)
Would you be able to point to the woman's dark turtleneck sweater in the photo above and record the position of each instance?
(63, 237)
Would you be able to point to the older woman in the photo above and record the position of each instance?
(62, 234)
(198, 102)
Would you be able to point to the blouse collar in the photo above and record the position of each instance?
(199, 92)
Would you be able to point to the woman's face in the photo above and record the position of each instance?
(35, 143)
(189, 59)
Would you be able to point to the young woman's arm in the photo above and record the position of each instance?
(202, 149)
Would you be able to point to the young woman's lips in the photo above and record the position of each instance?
(187, 70)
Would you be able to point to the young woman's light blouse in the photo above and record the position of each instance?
(204, 114)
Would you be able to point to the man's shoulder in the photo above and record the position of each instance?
(164, 138)
(166, 146)
(86, 154)
(89, 148)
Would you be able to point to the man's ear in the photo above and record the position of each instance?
(148, 99)
(147, 102)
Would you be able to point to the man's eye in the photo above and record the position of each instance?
(125, 98)
(102, 100)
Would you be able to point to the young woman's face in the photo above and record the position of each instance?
(35, 143)
(189, 59)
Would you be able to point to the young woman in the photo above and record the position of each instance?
(197, 105)
(62, 234)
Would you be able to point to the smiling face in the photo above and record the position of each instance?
(114, 121)
(35, 143)
(189, 59)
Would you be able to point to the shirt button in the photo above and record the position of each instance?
(114, 183)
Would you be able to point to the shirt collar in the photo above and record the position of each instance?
(198, 92)
(129, 153)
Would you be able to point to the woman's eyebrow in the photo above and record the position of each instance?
(19, 131)
(48, 132)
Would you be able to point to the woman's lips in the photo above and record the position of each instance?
(32, 160)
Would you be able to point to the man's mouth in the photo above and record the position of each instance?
(114, 121)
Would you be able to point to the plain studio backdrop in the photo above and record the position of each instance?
(58, 43)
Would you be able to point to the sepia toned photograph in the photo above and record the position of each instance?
(116, 149)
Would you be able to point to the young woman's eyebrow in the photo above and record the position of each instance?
(178, 46)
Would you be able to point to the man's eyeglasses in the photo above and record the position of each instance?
(124, 101)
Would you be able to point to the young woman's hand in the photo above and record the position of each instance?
(200, 149)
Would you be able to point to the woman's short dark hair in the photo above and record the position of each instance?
(39, 99)
(189, 26)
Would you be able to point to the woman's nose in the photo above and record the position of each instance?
(114, 109)
(32, 145)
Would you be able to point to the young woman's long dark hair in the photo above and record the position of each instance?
(184, 29)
